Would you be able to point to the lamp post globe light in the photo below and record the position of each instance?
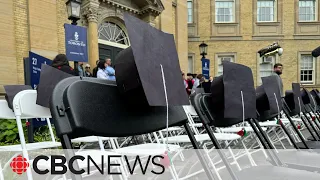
(73, 8)
(203, 49)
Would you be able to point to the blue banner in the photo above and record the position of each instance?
(76, 43)
(205, 68)
(35, 62)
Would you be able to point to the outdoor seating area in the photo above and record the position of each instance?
(236, 131)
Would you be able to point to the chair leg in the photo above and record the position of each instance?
(23, 145)
(196, 147)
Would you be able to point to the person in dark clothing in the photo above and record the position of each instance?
(61, 62)
(190, 83)
(95, 70)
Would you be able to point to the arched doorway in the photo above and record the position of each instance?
(112, 39)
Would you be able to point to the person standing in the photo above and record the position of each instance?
(110, 70)
(277, 71)
(95, 70)
(101, 74)
(210, 79)
(87, 71)
(80, 70)
(61, 62)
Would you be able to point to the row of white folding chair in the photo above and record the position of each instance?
(25, 107)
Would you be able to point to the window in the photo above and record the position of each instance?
(307, 72)
(307, 10)
(266, 67)
(224, 10)
(190, 64)
(190, 11)
(220, 60)
(266, 10)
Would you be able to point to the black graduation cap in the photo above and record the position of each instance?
(12, 90)
(138, 72)
(316, 96)
(307, 98)
(206, 86)
(49, 78)
(226, 94)
(269, 102)
(293, 99)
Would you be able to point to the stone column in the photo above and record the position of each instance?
(90, 12)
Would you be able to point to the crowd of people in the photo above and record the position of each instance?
(193, 81)
(103, 69)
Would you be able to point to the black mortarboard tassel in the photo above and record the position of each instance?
(226, 95)
(49, 78)
(12, 90)
(138, 72)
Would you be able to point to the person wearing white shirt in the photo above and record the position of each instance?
(101, 74)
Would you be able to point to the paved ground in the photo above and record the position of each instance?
(191, 163)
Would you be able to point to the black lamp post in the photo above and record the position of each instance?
(203, 49)
(73, 9)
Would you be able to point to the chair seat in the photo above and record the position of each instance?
(173, 129)
(94, 154)
(300, 160)
(237, 129)
(310, 138)
(197, 125)
(310, 144)
(89, 139)
(268, 123)
(203, 137)
(275, 173)
(285, 120)
(31, 146)
(5, 111)
(146, 149)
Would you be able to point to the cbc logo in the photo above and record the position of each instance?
(19, 165)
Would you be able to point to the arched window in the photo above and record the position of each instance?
(110, 31)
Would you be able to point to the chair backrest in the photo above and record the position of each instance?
(308, 100)
(201, 111)
(293, 99)
(316, 96)
(56, 101)
(103, 111)
(233, 94)
(5, 111)
(24, 105)
(269, 103)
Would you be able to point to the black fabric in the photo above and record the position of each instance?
(316, 96)
(206, 86)
(12, 90)
(293, 99)
(297, 97)
(138, 67)
(308, 100)
(112, 116)
(62, 123)
(67, 69)
(49, 77)
(226, 94)
(269, 103)
(94, 72)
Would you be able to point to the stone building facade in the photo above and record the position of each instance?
(37, 26)
(235, 30)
